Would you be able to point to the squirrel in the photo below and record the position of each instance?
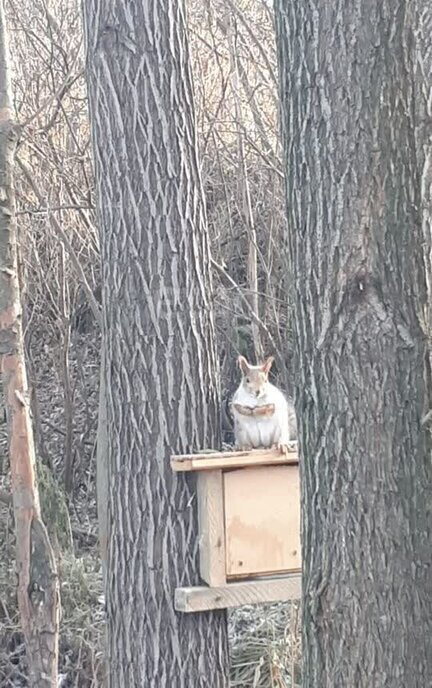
(263, 417)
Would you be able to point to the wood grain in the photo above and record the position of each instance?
(211, 527)
(234, 459)
(201, 599)
(262, 520)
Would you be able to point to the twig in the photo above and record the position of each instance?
(67, 244)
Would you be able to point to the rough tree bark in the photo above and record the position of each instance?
(423, 131)
(161, 387)
(346, 73)
(38, 591)
(102, 477)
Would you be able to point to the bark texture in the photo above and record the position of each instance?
(423, 101)
(102, 477)
(347, 87)
(38, 591)
(161, 387)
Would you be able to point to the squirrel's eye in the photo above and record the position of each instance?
(248, 379)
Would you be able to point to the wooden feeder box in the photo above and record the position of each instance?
(249, 528)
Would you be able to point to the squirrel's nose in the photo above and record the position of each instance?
(257, 393)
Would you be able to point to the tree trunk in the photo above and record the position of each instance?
(161, 387)
(423, 99)
(38, 592)
(102, 477)
(363, 386)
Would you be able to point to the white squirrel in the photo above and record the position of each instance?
(263, 417)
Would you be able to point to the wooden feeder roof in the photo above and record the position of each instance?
(210, 461)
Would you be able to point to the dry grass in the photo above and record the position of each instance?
(82, 622)
(264, 640)
(265, 646)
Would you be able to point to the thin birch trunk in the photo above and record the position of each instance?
(38, 589)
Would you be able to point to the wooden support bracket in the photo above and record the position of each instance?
(200, 599)
(212, 527)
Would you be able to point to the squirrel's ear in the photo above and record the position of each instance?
(267, 365)
(243, 364)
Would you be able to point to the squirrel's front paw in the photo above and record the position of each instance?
(285, 447)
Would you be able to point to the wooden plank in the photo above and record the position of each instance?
(202, 599)
(237, 459)
(263, 576)
(211, 527)
(262, 521)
